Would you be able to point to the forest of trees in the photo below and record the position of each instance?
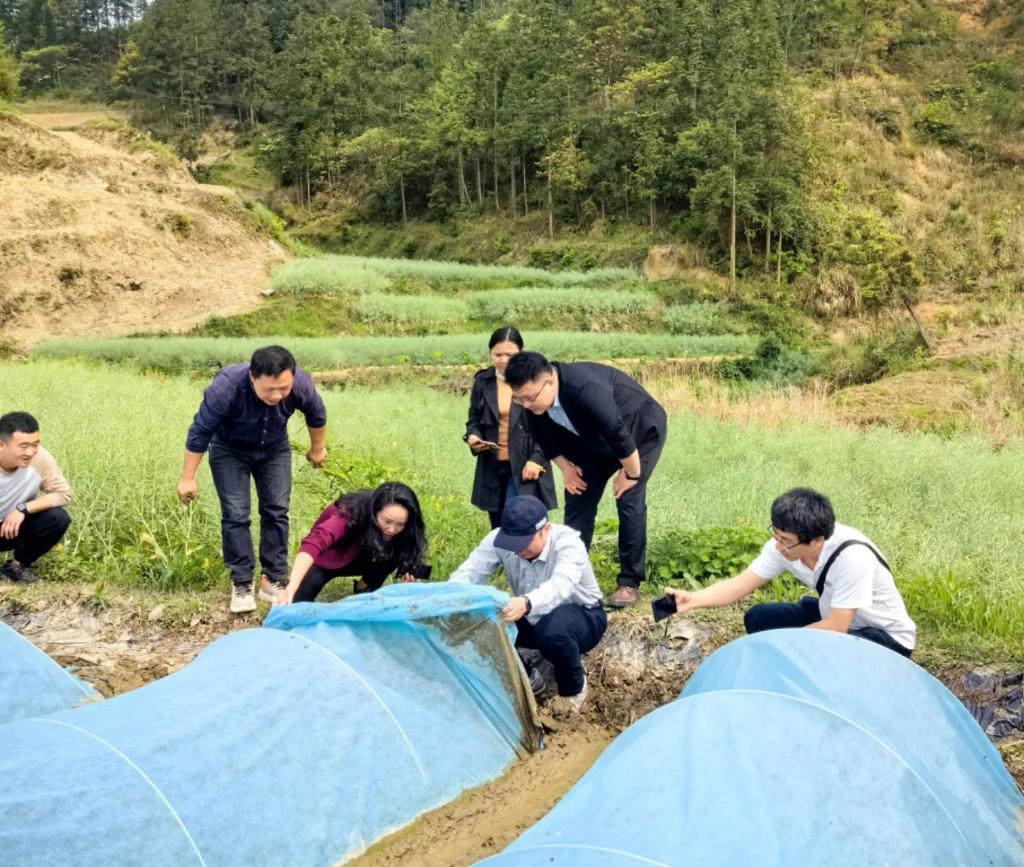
(689, 114)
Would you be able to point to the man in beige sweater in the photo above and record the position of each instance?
(30, 524)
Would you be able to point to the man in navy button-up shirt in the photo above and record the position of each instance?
(243, 422)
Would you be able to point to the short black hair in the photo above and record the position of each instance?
(524, 367)
(506, 334)
(16, 422)
(271, 361)
(805, 513)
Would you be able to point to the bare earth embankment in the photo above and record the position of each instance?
(104, 233)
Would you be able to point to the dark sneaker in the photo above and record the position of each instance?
(17, 572)
(623, 597)
(270, 589)
(242, 598)
(531, 660)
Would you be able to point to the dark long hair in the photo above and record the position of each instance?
(506, 334)
(408, 548)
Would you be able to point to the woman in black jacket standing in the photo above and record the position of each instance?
(508, 461)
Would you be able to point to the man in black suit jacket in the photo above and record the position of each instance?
(595, 422)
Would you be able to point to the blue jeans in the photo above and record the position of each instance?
(271, 469)
(793, 615)
(562, 636)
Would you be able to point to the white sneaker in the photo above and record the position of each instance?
(270, 589)
(576, 701)
(243, 600)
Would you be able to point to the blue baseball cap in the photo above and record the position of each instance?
(522, 519)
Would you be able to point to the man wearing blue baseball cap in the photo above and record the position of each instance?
(557, 604)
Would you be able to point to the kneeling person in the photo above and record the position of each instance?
(856, 590)
(30, 525)
(557, 607)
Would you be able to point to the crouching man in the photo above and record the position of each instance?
(30, 524)
(856, 590)
(557, 604)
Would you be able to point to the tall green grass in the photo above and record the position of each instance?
(945, 512)
(326, 274)
(323, 353)
(521, 303)
(429, 312)
(356, 274)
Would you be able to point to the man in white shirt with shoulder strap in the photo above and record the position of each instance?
(856, 591)
(30, 524)
(557, 604)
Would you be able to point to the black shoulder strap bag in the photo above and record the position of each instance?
(832, 558)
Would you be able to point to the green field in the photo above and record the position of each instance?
(945, 511)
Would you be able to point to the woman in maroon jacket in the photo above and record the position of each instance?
(368, 535)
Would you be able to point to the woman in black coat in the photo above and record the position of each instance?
(508, 461)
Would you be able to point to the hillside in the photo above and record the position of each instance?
(102, 232)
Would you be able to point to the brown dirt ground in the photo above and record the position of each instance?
(101, 234)
(120, 642)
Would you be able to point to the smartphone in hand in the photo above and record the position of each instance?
(663, 606)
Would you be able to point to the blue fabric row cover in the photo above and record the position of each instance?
(294, 745)
(792, 747)
(32, 684)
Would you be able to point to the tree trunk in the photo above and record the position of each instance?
(526, 197)
(463, 189)
(497, 194)
(551, 212)
(768, 243)
(652, 214)
(778, 260)
(401, 191)
(512, 187)
(732, 235)
(920, 326)
(479, 183)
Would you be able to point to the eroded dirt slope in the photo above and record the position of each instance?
(102, 233)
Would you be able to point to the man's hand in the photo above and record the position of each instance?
(12, 523)
(622, 484)
(188, 490)
(317, 457)
(407, 578)
(515, 609)
(684, 600)
(532, 471)
(572, 476)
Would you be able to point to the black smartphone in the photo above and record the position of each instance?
(663, 606)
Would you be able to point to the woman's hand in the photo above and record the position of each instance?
(285, 596)
(532, 471)
(475, 444)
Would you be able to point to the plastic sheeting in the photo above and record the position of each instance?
(792, 747)
(32, 684)
(294, 745)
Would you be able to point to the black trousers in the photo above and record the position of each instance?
(509, 489)
(38, 533)
(372, 574)
(581, 509)
(562, 636)
(793, 615)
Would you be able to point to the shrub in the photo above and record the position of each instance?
(689, 559)
(512, 304)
